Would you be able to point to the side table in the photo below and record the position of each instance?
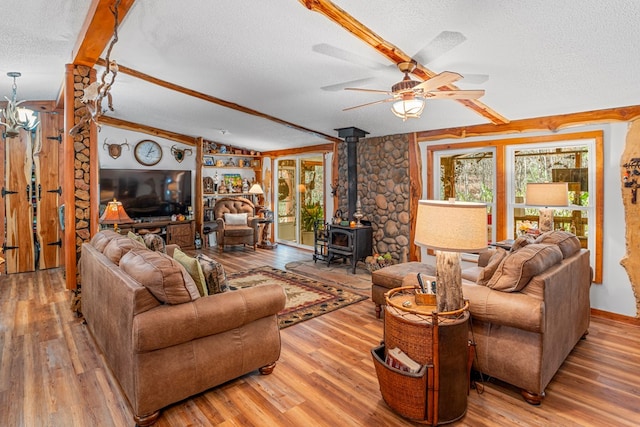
(266, 222)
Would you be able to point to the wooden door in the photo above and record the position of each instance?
(19, 248)
(48, 191)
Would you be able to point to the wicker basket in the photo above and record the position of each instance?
(404, 392)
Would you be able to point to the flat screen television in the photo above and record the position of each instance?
(147, 193)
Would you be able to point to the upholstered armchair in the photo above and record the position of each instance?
(237, 223)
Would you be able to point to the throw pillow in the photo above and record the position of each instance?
(568, 243)
(136, 237)
(487, 272)
(102, 239)
(214, 274)
(522, 241)
(517, 268)
(117, 247)
(193, 268)
(235, 219)
(155, 243)
(163, 276)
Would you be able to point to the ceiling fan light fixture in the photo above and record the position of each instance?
(408, 108)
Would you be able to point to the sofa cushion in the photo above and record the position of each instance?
(517, 268)
(102, 238)
(193, 268)
(117, 247)
(214, 275)
(522, 241)
(487, 272)
(155, 242)
(238, 230)
(164, 277)
(135, 237)
(568, 243)
(235, 218)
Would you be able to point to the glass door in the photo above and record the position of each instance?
(300, 198)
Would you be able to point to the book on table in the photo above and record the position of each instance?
(398, 359)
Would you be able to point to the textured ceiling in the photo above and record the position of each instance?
(538, 58)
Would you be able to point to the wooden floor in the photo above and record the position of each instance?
(52, 375)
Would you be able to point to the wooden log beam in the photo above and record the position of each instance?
(392, 52)
(150, 130)
(216, 100)
(547, 123)
(97, 30)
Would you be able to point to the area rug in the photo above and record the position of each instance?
(337, 272)
(306, 298)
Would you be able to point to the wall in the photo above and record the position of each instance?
(615, 294)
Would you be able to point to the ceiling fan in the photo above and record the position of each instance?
(409, 95)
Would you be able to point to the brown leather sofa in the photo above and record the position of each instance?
(161, 340)
(523, 329)
(234, 229)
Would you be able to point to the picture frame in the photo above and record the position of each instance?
(232, 178)
(209, 161)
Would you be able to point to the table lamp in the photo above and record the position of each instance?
(450, 228)
(545, 194)
(256, 190)
(115, 214)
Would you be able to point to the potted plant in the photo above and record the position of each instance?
(309, 214)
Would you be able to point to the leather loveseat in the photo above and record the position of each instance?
(161, 340)
(528, 307)
(236, 222)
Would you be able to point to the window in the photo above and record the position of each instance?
(575, 158)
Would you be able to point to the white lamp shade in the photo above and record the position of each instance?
(451, 226)
(547, 194)
(256, 189)
(408, 108)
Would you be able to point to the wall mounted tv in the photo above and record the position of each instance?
(147, 193)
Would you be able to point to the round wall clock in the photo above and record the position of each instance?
(148, 152)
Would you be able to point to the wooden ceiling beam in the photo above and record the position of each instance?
(97, 30)
(149, 130)
(547, 123)
(218, 101)
(392, 52)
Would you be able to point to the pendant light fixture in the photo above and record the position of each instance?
(13, 117)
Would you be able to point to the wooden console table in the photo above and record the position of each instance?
(181, 233)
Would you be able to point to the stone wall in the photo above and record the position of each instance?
(81, 144)
(383, 188)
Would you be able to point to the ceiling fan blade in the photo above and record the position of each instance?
(454, 94)
(439, 80)
(386, 92)
(340, 86)
(369, 103)
(441, 44)
(336, 52)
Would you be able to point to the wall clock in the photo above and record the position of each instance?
(148, 152)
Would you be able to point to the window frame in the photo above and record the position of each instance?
(500, 215)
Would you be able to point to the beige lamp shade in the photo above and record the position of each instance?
(256, 189)
(547, 194)
(451, 226)
(114, 213)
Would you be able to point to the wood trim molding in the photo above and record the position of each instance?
(415, 190)
(322, 148)
(615, 317)
(392, 52)
(546, 123)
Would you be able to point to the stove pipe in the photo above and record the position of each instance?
(351, 136)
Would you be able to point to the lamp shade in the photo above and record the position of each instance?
(256, 189)
(114, 213)
(408, 108)
(451, 226)
(547, 194)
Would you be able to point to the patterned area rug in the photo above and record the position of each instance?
(306, 298)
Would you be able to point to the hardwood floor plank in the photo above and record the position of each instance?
(52, 374)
